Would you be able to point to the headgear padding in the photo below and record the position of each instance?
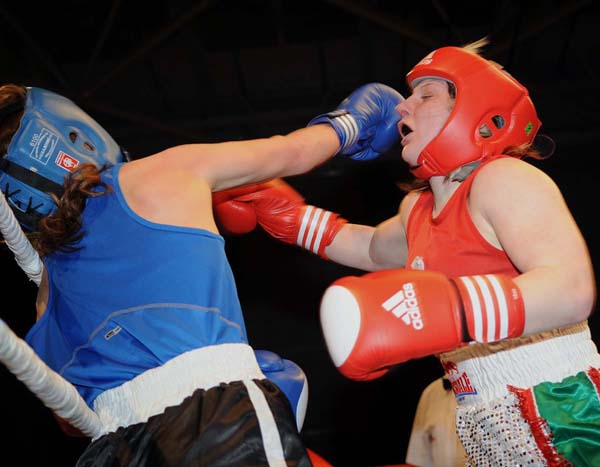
(54, 137)
(485, 95)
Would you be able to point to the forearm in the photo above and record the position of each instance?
(352, 246)
(236, 163)
(279, 156)
(556, 297)
(307, 148)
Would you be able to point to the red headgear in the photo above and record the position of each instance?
(485, 95)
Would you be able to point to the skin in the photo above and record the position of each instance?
(425, 111)
(530, 222)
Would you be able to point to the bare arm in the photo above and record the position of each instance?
(174, 186)
(374, 248)
(234, 163)
(533, 224)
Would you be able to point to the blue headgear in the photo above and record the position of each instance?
(54, 137)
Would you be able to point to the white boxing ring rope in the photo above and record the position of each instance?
(52, 389)
(26, 256)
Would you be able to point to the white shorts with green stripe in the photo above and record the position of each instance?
(535, 405)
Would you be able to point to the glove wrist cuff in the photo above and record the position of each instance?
(344, 125)
(493, 307)
(318, 228)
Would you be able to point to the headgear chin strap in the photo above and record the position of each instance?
(54, 137)
(492, 111)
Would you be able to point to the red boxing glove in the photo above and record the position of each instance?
(232, 216)
(280, 211)
(373, 322)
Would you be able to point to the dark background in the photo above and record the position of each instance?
(160, 73)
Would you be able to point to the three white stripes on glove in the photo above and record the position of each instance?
(313, 225)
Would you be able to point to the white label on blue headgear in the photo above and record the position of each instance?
(43, 144)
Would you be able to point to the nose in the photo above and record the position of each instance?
(403, 108)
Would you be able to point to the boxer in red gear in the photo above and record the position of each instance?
(493, 226)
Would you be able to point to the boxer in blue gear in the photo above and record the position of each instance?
(137, 307)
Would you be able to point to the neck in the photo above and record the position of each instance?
(443, 189)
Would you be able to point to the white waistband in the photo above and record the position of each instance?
(483, 378)
(151, 392)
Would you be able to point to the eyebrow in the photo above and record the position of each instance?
(424, 86)
(427, 84)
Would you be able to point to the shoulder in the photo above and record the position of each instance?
(510, 196)
(408, 202)
(505, 170)
(164, 191)
(154, 171)
(411, 197)
(508, 180)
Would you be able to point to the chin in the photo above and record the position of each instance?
(406, 157)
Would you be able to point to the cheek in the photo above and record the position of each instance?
(436, 119)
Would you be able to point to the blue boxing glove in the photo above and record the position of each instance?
(289, 377)
(366, 121)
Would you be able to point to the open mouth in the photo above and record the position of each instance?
(405, 130)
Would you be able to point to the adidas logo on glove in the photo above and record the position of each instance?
(403, 304)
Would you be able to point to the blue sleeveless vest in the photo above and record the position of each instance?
(134, 296)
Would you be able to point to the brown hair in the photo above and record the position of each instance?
(12, 105)
(60, 230)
